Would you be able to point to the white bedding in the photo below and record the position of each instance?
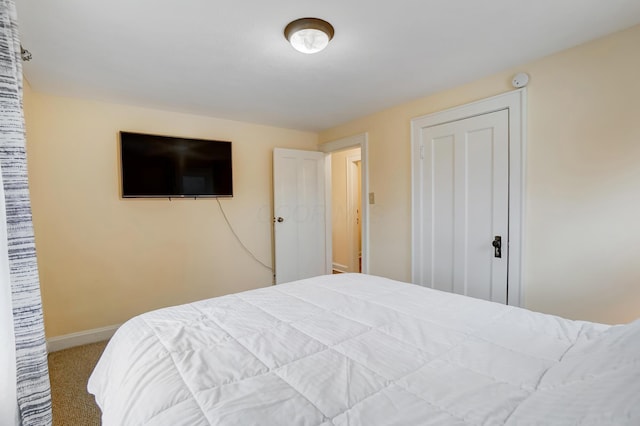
(352, 349)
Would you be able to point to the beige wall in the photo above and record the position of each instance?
(582, 250)
(103, 259)
(339, 207)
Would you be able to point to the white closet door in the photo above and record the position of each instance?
(465, 206)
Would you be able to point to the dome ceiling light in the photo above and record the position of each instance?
(309, 35)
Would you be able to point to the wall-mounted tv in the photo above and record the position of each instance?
(168, 167)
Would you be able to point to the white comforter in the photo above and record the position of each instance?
(353, 349)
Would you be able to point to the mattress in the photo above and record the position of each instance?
(354, 349)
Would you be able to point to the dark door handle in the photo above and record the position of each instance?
(497, 246)
(279, 219)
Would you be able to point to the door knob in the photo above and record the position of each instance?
(279, 219)
(497, 246)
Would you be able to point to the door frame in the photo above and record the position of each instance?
(356, 141)
(515, 102)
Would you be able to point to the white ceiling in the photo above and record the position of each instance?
(229, 59)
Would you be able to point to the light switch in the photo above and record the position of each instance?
(372, 198)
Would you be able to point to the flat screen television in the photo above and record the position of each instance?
(168, 167)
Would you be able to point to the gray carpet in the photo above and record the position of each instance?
(69, 371)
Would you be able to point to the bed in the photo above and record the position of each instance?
(353, 349)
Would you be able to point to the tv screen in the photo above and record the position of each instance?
(162, 166)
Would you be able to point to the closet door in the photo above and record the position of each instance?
(464, 206)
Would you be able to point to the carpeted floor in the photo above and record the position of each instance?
(69, 371)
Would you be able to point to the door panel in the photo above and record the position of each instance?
(478, 215)
(465, 184)
(441, 191)
(299, 211)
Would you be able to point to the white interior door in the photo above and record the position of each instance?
(299, 214)
(464, 207)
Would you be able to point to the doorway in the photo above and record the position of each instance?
(350, 155)
(302, 210)
(346, 217)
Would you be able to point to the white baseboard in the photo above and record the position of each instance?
(80, 338)
(340, 268)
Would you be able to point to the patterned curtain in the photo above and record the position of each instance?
(32, 376)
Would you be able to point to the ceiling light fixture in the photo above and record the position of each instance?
(309, 35)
